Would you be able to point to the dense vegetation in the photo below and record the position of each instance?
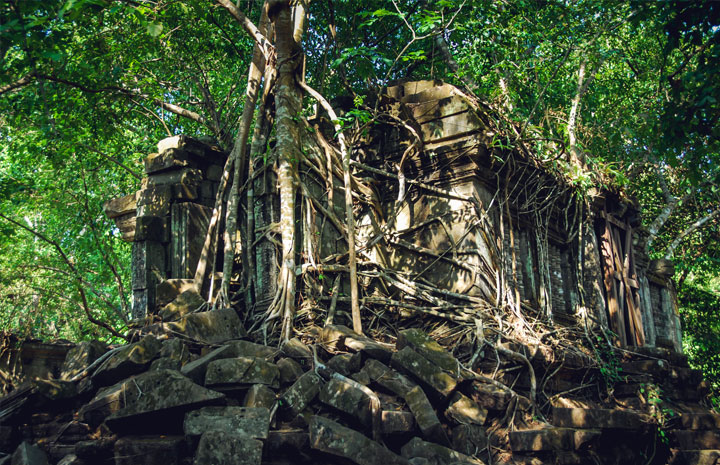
(607, 93)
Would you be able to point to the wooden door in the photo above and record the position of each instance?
(620, 279)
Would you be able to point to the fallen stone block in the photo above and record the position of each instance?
(212, 327)
(397, 421)
(250, 349)
(436, 454)
(464, 410)
(250, 422)
(169, 289)
(260, 395)
(300, 394)
(333, 438)
(428, 374)
(695, 457)
(423, 344)
(175, 349)
(80, 357)
(425, 416)
(55, 389)
(187, 302)
(347, 398)
(469, 439)
(600, 419)
(162, 450)
(29, 454)
(70, 459)
(290, 370)
(196, 369)
(490, 397)
(221, 448)
(153, 396)
(242, 372)
(546, 439)
(345, 364)
(388, 378)
(296, 349)
(127, 361)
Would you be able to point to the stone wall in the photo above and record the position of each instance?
(167, 219)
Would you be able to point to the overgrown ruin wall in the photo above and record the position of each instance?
(450, 224)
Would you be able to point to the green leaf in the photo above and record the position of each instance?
(154, 29)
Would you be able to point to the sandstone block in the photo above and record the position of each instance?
(160, 450)
(546, 439)
(80, 357)
(131, 359)
(333, 438)
(155, 395)
(600, 419)
(388, 378)
(196, 369)
(152, 228)
(242, 371)
(299, 395)
(345, 364)
(410, 362)
(169, 289)
(187, 302)
(465, 411)
(250, 422)
(347, 398)
(250, 349)
(290, 370)
(171, 158)
(259, 395)
(397, 421)
(211, 327)
(221, 448)
(436, 454)
(427, 347)
(425, 416)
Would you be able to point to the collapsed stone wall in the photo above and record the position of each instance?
(343, 398)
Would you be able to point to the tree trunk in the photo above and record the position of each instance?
(288, 105)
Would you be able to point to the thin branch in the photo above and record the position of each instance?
(689, 230)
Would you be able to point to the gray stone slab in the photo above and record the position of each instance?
(211, 327)
(242, 371)
(464, 410)
(436, 454)
(388, 378)
(129, 360)
(333, 438)
(220, 448)
(347, 398)
(149, 450)
(430, 375)
(300, 394)
(423, 344)
(251, 422)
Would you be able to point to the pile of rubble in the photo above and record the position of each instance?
(343, 398)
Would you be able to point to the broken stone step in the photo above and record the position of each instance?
(695, 439)
(695, 457)
(333, 438)
(700, 421)
(600, 419)
(427, 373)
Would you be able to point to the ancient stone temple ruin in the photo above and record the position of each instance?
(462, 243)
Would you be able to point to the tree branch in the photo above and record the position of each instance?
(265, 46)
(689, 230)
